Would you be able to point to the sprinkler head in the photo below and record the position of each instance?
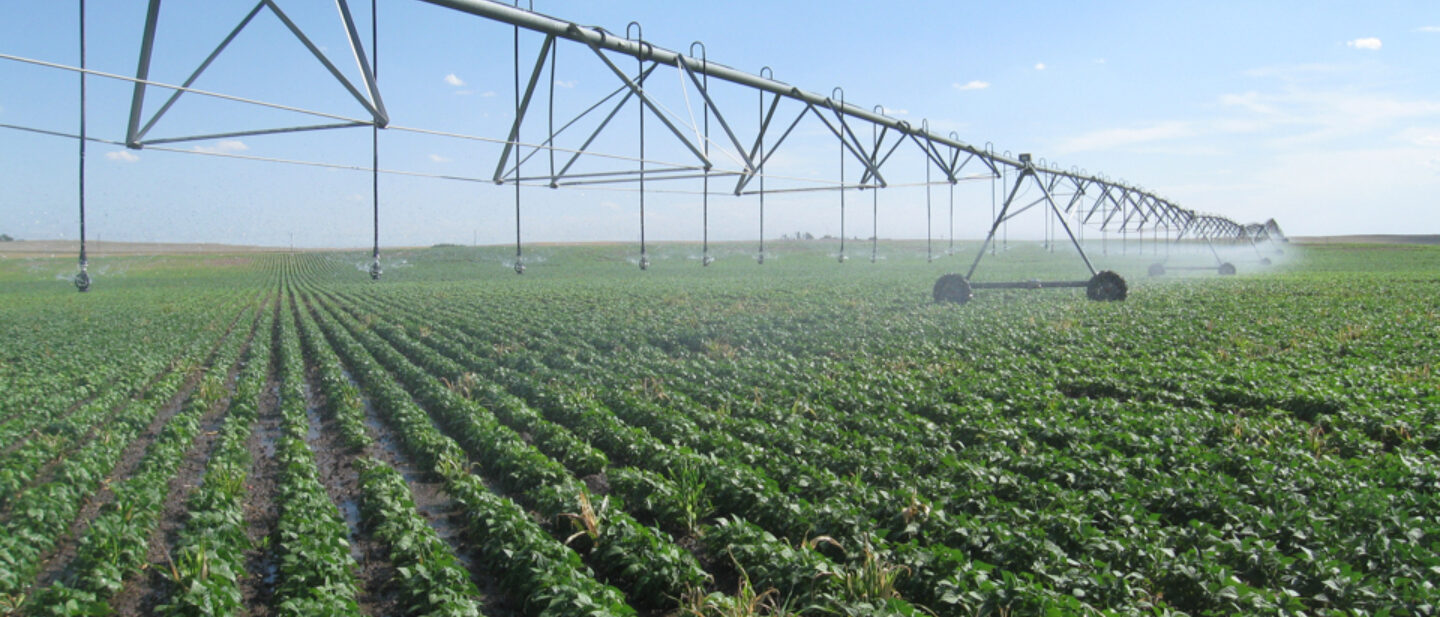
(707, 260)
(760, 259)
(842, 258)
(519, 267)
(644, 262)
(82, 280)
(375, 270)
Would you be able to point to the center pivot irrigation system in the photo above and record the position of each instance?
(1074, 198)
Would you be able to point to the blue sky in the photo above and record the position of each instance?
(1323, 115)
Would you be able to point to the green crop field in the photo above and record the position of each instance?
(274, 434)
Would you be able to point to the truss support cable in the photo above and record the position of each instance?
(82, 278)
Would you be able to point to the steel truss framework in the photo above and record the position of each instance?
(1069, 196)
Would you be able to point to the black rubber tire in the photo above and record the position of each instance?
(1106, 286)
(1157, 269)
(952, 288)
(1227, 269)
(82, 282)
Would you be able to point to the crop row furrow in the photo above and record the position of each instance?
(546, 577)
(680, 487)
(45, 443)
(115, 545)
(315, 569)
(41, 515)
(640, 559)
(208, 560)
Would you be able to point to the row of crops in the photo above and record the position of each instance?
(617, 445)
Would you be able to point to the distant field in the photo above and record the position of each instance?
(260, 433)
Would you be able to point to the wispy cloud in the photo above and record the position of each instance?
(1039, 66)
(1369, 43)
(565, 84)
(1429, 138)
(454, 80)
(1109, 139)
(1250, 101)
(487, 94)
(1319, 114)
(226, 146)
(1428, 29)
(973, 84)
(894, 112)
(439, 159)
(124, 156)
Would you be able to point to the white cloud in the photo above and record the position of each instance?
(1370, 43)
(1428, 29)
(1039, 66)
(439, 159)
(565, 84)
(124, 156)
(454, 80)
(1249, 100)
(1115, 138)
(226, 146)
(1317, 115)
(488, 93)
(973, 84)
(1420, 137)
(1099, 61)
(894, 112)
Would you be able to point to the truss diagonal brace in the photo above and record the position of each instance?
(134, 137)
(524, 106)
(142, 74)
(934, 156)
(603, 123)
(1060, 217)
(869, 164)
(640, 93)
(749, 164)
(377, 114)
(367, 73)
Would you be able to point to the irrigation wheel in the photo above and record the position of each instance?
(82, 281)
(952, 288)
(1157, 269)
(1106, 286)
(1227, 269)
